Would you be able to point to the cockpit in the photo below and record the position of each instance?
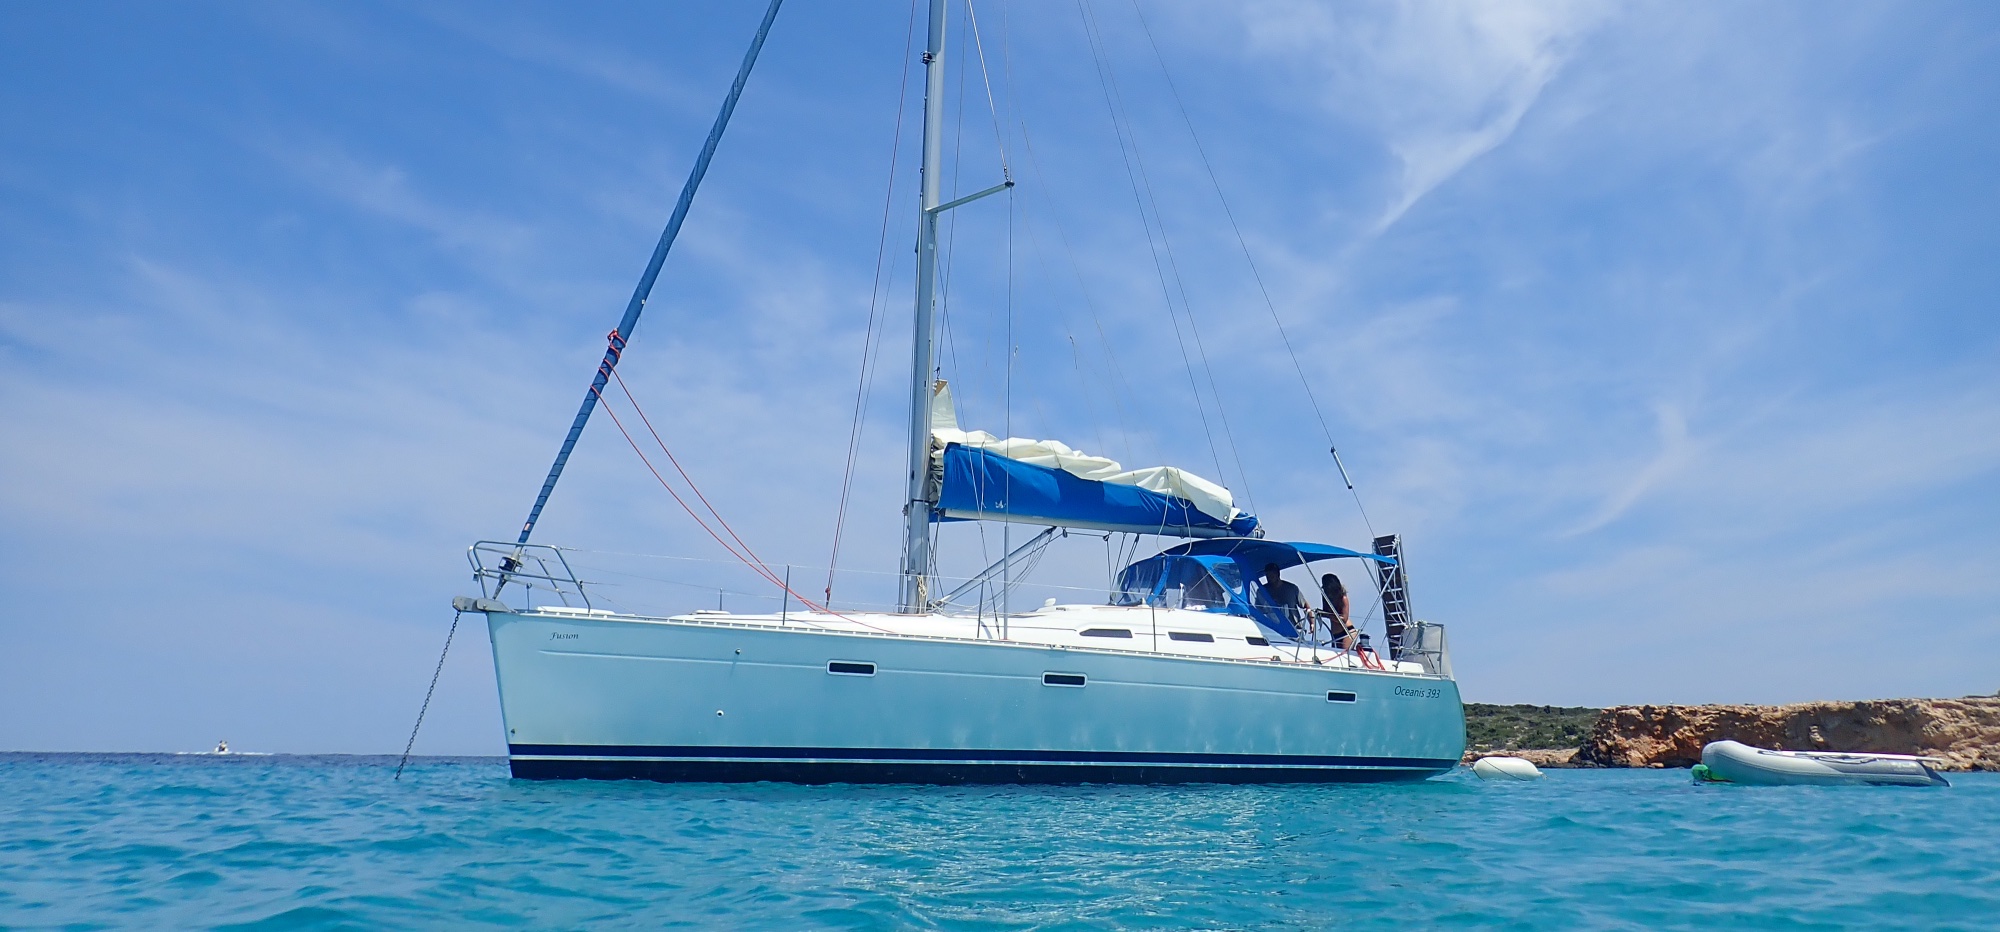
(1196, 583)
(1219, 575)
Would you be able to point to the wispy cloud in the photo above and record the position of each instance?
(1790, 460)
(386, 190)
(1675, 452)
(523, 38)
(1443, 83)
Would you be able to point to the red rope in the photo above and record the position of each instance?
(670, 489)
(747, 557)
(684, 474)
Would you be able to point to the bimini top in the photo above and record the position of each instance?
(1219, 575)
(1046, 482)
(1256, 553)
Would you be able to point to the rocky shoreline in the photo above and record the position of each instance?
(1964, 734)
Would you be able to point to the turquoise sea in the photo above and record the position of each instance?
(153, 841)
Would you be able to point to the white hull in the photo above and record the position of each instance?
(730, 698)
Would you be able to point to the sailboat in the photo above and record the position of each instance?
(1189, 672)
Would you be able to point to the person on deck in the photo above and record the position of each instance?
(1284, 599)
(1338, 611)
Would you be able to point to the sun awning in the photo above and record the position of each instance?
(1255, 554)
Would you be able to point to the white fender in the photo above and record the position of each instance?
(1505, 768)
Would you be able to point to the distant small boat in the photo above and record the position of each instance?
(222, 749)
(1735, 762)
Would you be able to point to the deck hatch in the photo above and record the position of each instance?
(1063, 679)
(850, 668)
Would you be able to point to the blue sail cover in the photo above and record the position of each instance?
(980, 485)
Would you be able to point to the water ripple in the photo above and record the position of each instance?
(332, 843)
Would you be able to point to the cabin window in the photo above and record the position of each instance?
(1179, 582)
(1260, 642)
(1203, 593)
(1189, 585)
(1338, 696)
(1063, 679)
(1136, 584)
(1195, 636)
(1106, 633)
(850, 668)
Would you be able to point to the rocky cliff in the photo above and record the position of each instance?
(1964, 733)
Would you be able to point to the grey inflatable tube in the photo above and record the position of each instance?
(1735, 762)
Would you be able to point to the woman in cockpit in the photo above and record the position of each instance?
(1336, 608)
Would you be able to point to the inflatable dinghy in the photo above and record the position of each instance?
(1733, 762)
(1505, 768)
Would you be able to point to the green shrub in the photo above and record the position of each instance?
(1517, 727)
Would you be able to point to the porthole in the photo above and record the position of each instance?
(1063, 679)
(850, 668)
(1338, 696)
(1195, 636)
(1106, 633)
(1257, 641)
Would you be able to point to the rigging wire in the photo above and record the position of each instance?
(677, 467)
(1180, 284)
(1258, 275)
(951, 227)
(747, 557)
(1116, 378)
(951, 237)
(944, 286)
(979, 46)
(1122, 130)
(875, 292)
(1085, 391)
(1007, 480)
(669, 487)
(1076, 361)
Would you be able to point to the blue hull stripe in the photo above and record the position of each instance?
(820, 772)
(980, 756)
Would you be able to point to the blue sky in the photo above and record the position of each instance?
(1663, 333)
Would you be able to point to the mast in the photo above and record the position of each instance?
(917, 506)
